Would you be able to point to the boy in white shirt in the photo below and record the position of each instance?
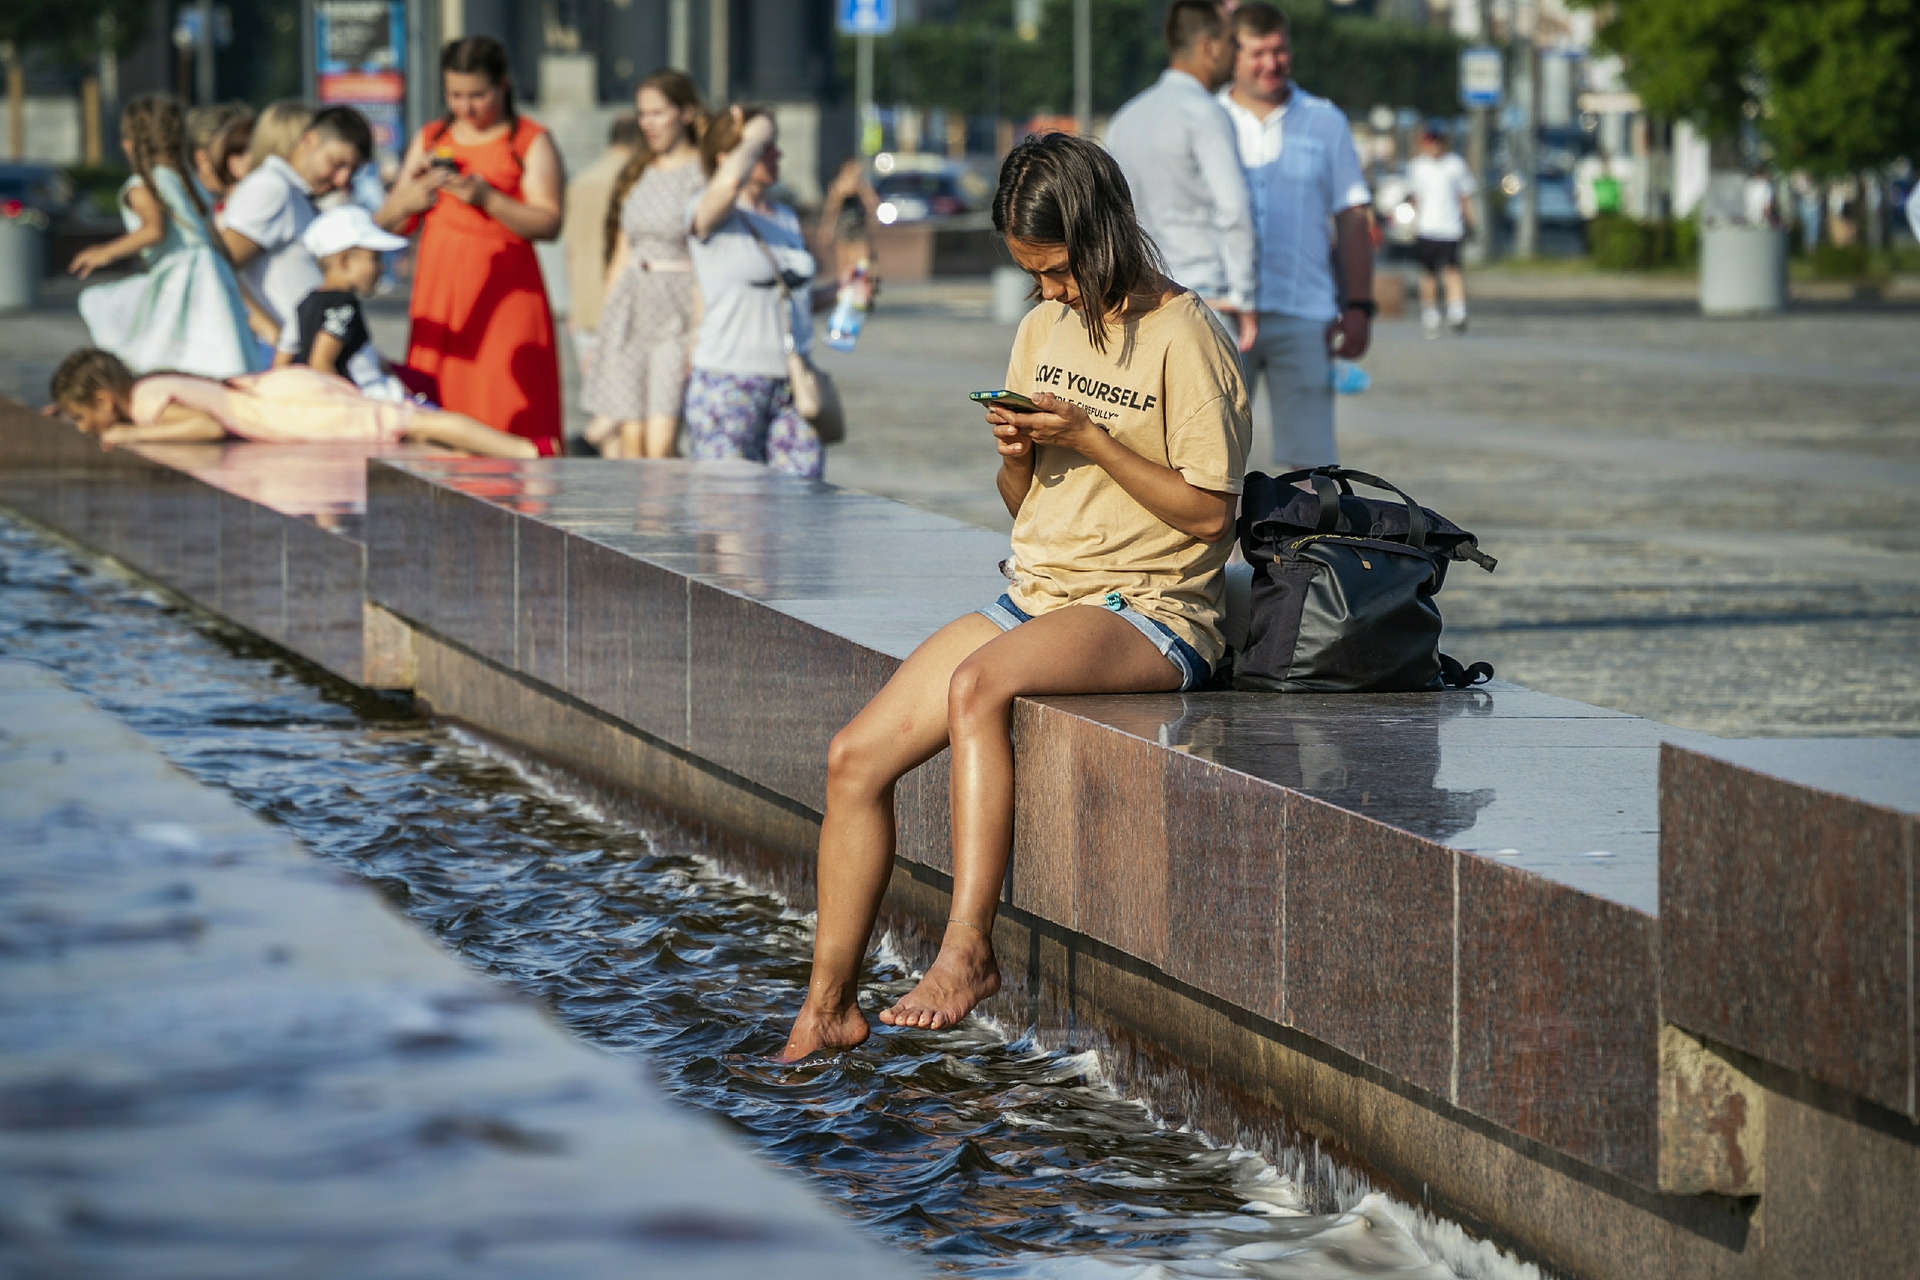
(1442, 190)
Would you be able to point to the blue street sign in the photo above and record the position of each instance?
(1481, 77)
(866, 17)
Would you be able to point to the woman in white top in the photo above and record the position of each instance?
(745, 248)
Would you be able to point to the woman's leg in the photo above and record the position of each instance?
(904, 726)
(458, 431)
(603, 433)
(631, 443)
(657, 436)
(1079, 649)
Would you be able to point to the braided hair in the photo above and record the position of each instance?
(155, 130)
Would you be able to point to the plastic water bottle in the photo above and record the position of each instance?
(850, 309)
(1349, 379)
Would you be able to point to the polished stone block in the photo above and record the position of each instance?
(540, 602)
(1559, 1016)
(252, 567)
(626, 630)
(399, 541)
(1369, 941)
(326, 597)
(767, 692)
(1226, 882)
(1787, 923)
(1045, 817)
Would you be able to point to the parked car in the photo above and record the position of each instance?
(44, 187)
(1393, 209)
(923, 191)
(1559, 203)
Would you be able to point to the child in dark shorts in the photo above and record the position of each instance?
(334, 337)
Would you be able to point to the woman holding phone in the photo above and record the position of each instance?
(1122, 487)
(483, 183)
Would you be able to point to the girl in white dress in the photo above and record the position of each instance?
(185, 312)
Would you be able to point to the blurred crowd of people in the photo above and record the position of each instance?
(693, 287)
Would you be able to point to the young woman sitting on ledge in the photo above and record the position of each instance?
(1122, 489)
(294, 405)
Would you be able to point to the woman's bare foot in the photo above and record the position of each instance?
(814, 1031)
(963, 974)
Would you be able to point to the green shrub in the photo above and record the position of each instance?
(1618, 243)
(1841, 262)
(1686, 242)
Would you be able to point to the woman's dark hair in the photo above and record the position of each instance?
(678, 88)
(1060, 189)
(344, 124)
(481, 56)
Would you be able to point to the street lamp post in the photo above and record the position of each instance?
(1083, 67)
(862, 94)
(1526, 238)
(203, 53)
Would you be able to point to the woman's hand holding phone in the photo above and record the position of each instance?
(1057, 422)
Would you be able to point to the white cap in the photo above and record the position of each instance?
(348, 227)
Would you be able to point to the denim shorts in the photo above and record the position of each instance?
(1193, 669)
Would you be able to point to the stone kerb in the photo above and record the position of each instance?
(707, 613)
(1788, 909)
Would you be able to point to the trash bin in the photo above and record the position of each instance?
(23, 233)
(1743, 270)
(1011, 286)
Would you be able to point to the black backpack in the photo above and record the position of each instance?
(1343, 588)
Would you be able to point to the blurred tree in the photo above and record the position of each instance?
(963, 63)
(73, 33)
(1687, 59)
(1841, 82)
(1833, 85)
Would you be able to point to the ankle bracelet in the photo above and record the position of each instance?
(969, 924)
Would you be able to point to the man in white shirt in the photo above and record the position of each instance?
(269, 211)
(1315, 299)
(1176, 149)
(1441, 189)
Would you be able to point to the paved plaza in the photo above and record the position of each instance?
(1712, 523)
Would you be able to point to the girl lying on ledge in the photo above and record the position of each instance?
(1122, 487)
(294, 405)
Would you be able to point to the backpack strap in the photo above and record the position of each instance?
(1455, 676)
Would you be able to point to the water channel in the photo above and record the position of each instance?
(987, 1153)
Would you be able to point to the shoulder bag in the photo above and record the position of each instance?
(815, 397)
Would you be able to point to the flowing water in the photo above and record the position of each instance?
(989, 1154)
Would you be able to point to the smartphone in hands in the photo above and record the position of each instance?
(1006, 399)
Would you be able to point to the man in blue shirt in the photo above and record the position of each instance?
(1315, 300)
(1176, 148)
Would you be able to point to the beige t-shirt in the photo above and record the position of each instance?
(1169, 387)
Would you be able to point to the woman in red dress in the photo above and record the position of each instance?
(482, 184)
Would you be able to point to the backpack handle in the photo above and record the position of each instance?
(1323, 479)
